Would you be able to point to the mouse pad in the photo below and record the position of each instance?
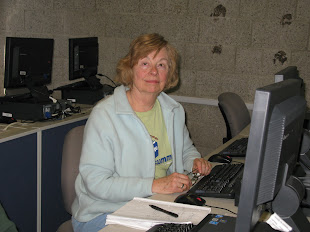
(215, 223)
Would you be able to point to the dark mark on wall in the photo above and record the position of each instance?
(217, 49)
(280, 56)
(286, 19)
(220, 10)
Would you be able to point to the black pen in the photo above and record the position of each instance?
(164, 211)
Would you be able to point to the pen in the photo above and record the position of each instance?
(164, 211)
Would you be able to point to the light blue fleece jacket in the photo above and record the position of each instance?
(118, 162)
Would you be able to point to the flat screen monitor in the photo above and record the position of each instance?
(28, 61)
(289, 72)
(83, 57)
(273, 149)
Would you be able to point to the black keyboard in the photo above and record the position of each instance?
(212, 222)
(220, 182)
(172, 227)
(236, 148)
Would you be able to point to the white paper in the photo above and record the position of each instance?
(278, 224)
(139, 215)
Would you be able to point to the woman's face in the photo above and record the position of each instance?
(150, 73)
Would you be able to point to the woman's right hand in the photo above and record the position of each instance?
(174, 183)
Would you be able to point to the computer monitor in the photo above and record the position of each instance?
(83, 57)
(272, 152)
(28, 62)
(289, 72)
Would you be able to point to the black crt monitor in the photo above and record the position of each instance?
(272, 153)
(83, 57)
(28, 62)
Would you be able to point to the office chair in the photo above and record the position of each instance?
(235, 113)
(71, 154)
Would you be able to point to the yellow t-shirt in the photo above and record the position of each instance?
(155, 125)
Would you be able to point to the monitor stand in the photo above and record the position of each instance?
(93, 82)
(287, 204)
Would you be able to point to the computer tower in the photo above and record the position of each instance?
(29, 111)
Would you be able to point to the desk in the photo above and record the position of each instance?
(218, 202)
(30, 170)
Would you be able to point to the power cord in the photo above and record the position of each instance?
(221, 208)
(11, 124)
(102, 75)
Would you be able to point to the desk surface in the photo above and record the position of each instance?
(19, 129)
(218, 202)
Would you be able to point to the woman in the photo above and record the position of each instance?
(135, 142)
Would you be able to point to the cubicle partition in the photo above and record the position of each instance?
(30, 173)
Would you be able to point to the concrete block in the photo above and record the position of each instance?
(253, 10)
(187, 83)
(44, 21)
(274, 60)
(176, 28)
(277, 9)
(119, 6)
(271, 34)
(127, 26)
(214, 9)
(249, 60)
(107, 49)
(33, 4)
(12, 20)
(303, 9)
(61, 47)
(203, 57)
(164, 7)
(225, 31)
(60, 74)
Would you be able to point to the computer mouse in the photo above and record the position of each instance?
(191, 199)
(225, 159)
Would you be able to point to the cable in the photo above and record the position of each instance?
(11, 124)
(102, 75)
(220, 208)
(238, 162)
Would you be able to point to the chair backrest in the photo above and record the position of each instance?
(235, 113)
(71, 154)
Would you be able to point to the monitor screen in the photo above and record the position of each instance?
(28, 61)
(272, 152)
(83, 57)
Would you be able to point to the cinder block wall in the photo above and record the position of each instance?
(225, 45)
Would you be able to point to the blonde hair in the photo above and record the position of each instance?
(140, 48)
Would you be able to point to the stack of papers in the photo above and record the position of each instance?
(138, 214)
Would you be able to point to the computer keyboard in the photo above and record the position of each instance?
(212, 222)
(236, 148)
(172, 227)
(220, 182)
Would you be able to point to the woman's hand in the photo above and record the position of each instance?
(174, 183)
(201, 166)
